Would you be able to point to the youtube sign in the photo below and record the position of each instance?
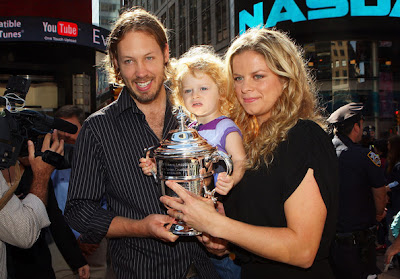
(67, 29)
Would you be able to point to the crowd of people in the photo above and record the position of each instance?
(300, 203)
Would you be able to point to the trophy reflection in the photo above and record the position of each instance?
(186, 158)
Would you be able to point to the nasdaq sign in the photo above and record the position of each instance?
(288, 10)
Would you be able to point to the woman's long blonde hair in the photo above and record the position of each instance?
(204, 60)
(298, 99)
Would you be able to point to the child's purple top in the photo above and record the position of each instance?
(216, 131)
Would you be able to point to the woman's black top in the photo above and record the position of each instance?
(260, 196)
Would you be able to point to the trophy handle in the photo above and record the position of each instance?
(151, 155)
(221, 155)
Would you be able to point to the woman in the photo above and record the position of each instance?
(281, 216)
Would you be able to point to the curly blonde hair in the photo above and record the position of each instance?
(133, 19)
(298, 99)
(199, 59)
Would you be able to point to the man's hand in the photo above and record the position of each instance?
(84, 272)
(157, 226)
(41, 170)
(87, 248)
(39, 167)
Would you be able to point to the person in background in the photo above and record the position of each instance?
(280, 218)
(36, 262)
(381, 149)
(362, 197)
(21, 221)
(106, 157)
(393, 178)
(95, 254)
(392, 253)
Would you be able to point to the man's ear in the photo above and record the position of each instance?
(166, 54)
(356, 127)
(115, 63)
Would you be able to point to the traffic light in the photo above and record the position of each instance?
(397, 112)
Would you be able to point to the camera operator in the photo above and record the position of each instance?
(36, 261)
(22, 220)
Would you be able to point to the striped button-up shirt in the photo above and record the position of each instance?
(106, 163)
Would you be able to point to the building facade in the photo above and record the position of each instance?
(193, 22)
(351, 46)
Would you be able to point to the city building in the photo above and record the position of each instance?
(193, 22)
(352, 46)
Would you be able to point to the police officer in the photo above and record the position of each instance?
(362, 197)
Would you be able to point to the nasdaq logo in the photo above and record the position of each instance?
(288, 10)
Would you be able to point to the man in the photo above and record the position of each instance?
(95, 254)
(36, 261)
(106, 162)
(21, 221)
(362, 197)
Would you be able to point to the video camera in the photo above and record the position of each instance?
(18, 125)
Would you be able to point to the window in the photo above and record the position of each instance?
(193, 22)
(171, 25)
(206, 21)
(221, 20)
(182, 26)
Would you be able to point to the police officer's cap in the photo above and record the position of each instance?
(345, 112)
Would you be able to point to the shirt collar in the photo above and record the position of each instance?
(125, 101)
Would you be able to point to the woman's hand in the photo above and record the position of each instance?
(195, 211)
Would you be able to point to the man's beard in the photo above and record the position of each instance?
(145, 98)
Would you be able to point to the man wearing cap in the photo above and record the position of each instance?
(362, 197)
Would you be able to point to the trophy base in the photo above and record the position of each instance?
(183, 230)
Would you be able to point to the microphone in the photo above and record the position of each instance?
(64, 126)
(45, 121)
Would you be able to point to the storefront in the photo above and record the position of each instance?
(351, 46)
(54, 44)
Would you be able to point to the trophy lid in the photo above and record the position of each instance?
(183, 142)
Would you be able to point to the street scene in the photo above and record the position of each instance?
(199, 139)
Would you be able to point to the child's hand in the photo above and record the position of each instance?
(148, 166)
(224, 183)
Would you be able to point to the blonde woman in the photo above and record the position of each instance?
(281, 216)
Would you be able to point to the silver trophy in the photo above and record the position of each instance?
(186, 158)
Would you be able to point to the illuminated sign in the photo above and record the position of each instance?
(289, 10)
(62, 28)
(52, 30)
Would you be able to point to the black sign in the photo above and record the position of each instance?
(53, 31)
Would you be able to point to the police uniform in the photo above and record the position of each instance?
(353, 253)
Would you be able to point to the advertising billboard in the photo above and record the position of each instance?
(308, 20)
(51, 30)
